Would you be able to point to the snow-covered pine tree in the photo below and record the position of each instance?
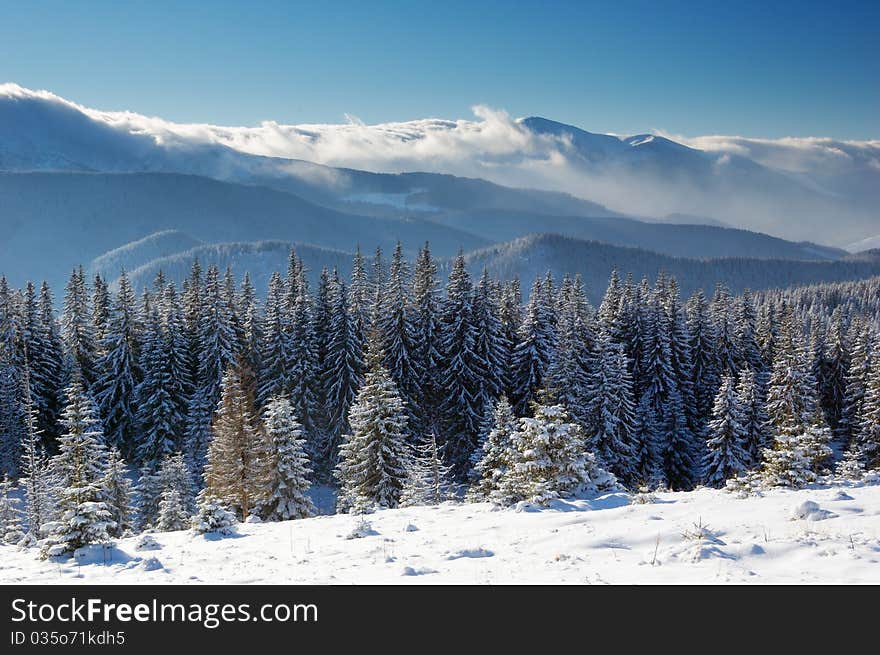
(490, 350)
(179, 355)
(397, 334)
(573, 359)
(374, 458)
(275, 355)
(303, 364)
(198, 433)
(237, 473)
(551, 460)
(661, 408)
(684, 440)
(12, 419)
(428, 480)
(77, 330)
(42, 352)
(288, 464)
(100, 314)
(534, 349)
(359, 298)
(646, 460)
(78, 471)
(172, 514)
(611, 410)
(426, 319)
(867, 439)
(192, 314)
(745, 333)
(704, 372)
(117, 493)
(794, 420)
(754, 416)
(496, 454)
(726, 456)
(461, 407)
(343, 372)
(251, 320)
(217, 338)
(10, 514)
(721, 314)
(212, 517)
(609, 309)
(510, 314)
(149, 491)
(856, 381)
(34, 469)
(160, 423)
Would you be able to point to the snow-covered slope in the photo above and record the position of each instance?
(704, 536)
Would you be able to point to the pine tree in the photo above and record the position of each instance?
(611, 410)
(288, 464)
(275, 353)
(34, 469)
(100, 312)
(461, 406)
(118, 371)
(867, 439)
(533, 352)
(799, 433)
(172, 514)
(10, 514)
(77, 331)
(705, 376)
(496, 455)
(726, 456)
(248, 310)
(684, 431)
(745, 333)
(428, 478)
(117, 494)
(754, 416)
(236, 473)
(551, 460)
(426, 328)
(490, 350)
(217, 337)
(510, 315)
(359, 299)
(374, 458)
(343, 371)
(212, 517)
(303, 364)
(397, 334)
(42, 350)
(149, 492)
(574, 358)
(78, 470)
(856, 382)
(160, 422)
(646, 459)
(172, 494)
(12, 419)
(722, 315)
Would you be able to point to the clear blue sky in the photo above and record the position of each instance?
(760, 68)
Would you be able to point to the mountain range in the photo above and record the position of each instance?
(118, 190)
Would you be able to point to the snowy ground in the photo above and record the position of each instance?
(704, 536)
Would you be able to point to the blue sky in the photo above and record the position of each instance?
(765, 69)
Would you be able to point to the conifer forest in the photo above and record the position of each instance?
(198, 406)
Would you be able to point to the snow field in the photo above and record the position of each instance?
(827, 535)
